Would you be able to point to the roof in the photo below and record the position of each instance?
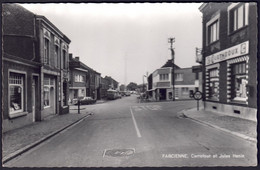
(169, 64)
(41, 17)
(203, 6)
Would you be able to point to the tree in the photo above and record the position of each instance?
(132, 86)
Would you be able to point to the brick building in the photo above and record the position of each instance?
(230, 58)
(21, 68)
(78, 78)
(160, 82)
(35, 66)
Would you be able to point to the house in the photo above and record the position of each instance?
(160, 83)
(53, 49)
(113, 84)
(84, 81)
(21, 69)
(104, 87)
(35, 65)
(78, 78)
(230, 58)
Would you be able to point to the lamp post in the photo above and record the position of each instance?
(171, 41)
(143, 81)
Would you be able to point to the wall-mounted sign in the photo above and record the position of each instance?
(232, 52)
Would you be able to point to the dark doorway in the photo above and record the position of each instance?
(162, 94)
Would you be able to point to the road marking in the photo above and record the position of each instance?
(147, 107)
(136, 127)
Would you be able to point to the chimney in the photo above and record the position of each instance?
(77, 58)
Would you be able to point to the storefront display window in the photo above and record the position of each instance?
(213, 84)
(16, 92)
(239, 82)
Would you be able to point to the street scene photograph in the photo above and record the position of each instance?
(129, 85)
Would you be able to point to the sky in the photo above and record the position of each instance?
(127, 40)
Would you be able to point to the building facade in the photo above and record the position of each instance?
(53, 50)
(160, 83)
(78, 78)
(21, 69)
(230, 58)
(35, 64)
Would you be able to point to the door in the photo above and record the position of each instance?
(33, 100)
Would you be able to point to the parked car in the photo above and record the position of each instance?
(127, 93)
(84, 100)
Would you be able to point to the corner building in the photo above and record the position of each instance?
(230, 58)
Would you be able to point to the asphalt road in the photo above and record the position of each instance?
(125, 133)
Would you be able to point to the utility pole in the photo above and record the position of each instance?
(171, 41)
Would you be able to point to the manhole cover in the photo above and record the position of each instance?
(118, 152)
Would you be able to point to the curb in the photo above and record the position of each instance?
(34, 144)
(221, 129)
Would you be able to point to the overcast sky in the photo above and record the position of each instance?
(127, 40)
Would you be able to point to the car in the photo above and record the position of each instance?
(127, 93)
(84, 100)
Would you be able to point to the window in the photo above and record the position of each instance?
(213, 84)
(56, 56)
(64, 59)
(213, 32)
(185, 90)
(46, 51)
(49, 84)
(238, 17)
(64, 94)
(176, 92)
(238, 82)
(16, 92)
(178, 77)
(164, 76)
(79, 78)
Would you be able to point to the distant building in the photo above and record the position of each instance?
(113, 84)
(160, 83)
(104, 87)
(84, 81)
(78, 78)
(230, 58)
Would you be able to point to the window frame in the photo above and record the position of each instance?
(234, 75)
(24, 95)
(179, 76)
(235, 7)
(46, 57)
(213, 78)
(212, 21)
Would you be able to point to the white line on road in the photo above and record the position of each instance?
(136, 127)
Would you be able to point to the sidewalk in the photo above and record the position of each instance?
(20, 140)
(243, 128)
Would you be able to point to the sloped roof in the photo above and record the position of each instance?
(170, 64)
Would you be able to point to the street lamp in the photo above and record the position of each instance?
(171, 41)
(143, 81)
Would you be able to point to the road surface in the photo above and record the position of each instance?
(125, 133)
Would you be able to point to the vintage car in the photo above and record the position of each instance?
(83, 100)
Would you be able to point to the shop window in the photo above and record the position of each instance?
(179, 77)
(46, 51)
(16, 92)
(213, 84)
(185, 90)
(64, 97)
(46, 96)
(213, 32)
(49, 83)
(238, 17)
(238, 82)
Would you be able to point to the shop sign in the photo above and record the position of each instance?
(232, 52)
